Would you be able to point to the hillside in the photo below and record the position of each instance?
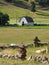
(15, 12)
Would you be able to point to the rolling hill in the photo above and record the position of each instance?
(15, 12)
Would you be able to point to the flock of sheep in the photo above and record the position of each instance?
(42, 59)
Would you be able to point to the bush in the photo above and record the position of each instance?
(4, 18)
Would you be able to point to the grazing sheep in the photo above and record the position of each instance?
(18, 55)
(11, 57)
(31, 58)
(44, 59)
(41, 51)
(38, 58)
(5, 56)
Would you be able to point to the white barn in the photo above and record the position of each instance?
(26, 20)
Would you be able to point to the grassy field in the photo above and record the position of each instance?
(41, 16)
(24, 34)
(18, 35)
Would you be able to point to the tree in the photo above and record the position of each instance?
(47, 2)
(43, 2)
(33, 7)
(4, 18)
(1, 17)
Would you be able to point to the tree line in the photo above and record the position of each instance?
(32, 6)
(43, 3)
(40, 2)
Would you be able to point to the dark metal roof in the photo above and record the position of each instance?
(29, 19)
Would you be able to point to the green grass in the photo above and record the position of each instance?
(25, 27)
(19, 62)
(16, 62)
(41, 16)
(33, 27)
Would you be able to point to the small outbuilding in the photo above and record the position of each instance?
(26, 20)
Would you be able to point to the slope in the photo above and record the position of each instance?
(15, 12)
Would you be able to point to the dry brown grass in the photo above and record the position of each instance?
(9, 51)
(14, 35)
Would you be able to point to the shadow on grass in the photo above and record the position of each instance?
(3, 4)
(42, 14)
(21, 4)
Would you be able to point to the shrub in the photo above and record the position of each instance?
(4, 18)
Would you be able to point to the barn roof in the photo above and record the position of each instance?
(29, 19)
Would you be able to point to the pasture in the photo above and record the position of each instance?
(14, 12)
(22, 35)
(30, 51)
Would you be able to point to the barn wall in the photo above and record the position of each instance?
(31, 23)
(25, 22)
